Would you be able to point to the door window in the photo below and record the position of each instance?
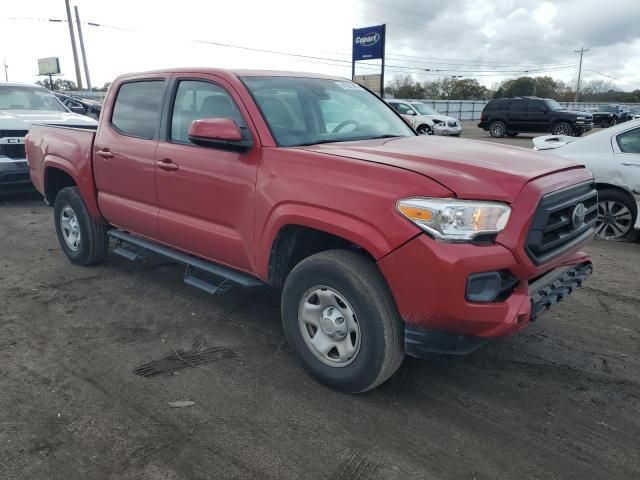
(629, 142)
(536, 106)
(517, 106)
(136, 111)
(198, 99)
(404, 109)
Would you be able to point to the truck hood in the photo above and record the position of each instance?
(23, 119)
(472, 169)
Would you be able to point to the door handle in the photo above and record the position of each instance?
(167, 165)
(105, 153)
(631, 164)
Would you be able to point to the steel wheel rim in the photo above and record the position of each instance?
(329, 326)
(70, 228)
(497, 129)
(424, 130)
(614, 220)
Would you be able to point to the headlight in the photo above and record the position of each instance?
(437, 122)
(580, 118)
(452, 220)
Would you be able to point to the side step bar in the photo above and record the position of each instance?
(225, 276)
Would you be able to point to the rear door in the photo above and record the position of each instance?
(517, 115)
(124, 155)
(206, 194)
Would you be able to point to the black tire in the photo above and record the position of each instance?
(357, 280)
(616, 197)
(512, 134)
(498, 129)
(424, 130)
(562, 128)
(93, 243)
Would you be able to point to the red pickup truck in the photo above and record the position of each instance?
(382, 242)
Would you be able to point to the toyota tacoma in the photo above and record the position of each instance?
(382, 242)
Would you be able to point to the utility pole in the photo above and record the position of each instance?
(82, 50)
(581, 51)
(73, 45)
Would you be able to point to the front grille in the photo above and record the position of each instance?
(554, 229)
(13, 133)
(15, 152)
(453, 124)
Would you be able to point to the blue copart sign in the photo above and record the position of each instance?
(368, 42)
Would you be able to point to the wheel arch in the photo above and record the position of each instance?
(633, 200)
(294, 242)
(60, 173)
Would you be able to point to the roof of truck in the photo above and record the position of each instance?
(236, 72)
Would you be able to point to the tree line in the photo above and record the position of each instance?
(61, 84)
(449, 88)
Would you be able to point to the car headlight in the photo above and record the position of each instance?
(580, 118)
(437, 121)
(452, 220)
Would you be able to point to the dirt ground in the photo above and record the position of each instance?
(91, 357)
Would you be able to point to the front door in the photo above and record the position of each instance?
(124, 156)
(626, 150)
(205, 194)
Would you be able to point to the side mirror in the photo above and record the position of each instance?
(218, 133)
(77, 108)
(410, 112)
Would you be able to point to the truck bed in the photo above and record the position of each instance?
(66, 148)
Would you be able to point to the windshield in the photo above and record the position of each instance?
(28, 98)
(553, 105)
(305, 111)
(424, 109)
(607, 108)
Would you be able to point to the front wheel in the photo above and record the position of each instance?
(562, 128)
(84, 240)
(616, 216)
(341, 321)
(424, 130)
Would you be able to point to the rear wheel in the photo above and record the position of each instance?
(84, 241)
(341, 321)
(497, 129)
(616, 216)
(562, 128)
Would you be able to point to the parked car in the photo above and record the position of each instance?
(83, 106)
(610, 115)
(635, 113)
(21, 106)
(425, 120)
(613, 155)
(511, 116)
(383, 242)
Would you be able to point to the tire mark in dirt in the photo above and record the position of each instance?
(196, 356)
(141, 456)
(357, 467)
(615, 296)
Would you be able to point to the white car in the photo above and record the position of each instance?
(424, 119)
(22, 105)
(613, 155)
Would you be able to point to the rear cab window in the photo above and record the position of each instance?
(136, 110)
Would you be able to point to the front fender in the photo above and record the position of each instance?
(356, 230)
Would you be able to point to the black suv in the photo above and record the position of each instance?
(610, 115)
(510, 116)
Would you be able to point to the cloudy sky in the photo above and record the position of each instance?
(490, 40)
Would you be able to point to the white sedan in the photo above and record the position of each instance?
(613, 155)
